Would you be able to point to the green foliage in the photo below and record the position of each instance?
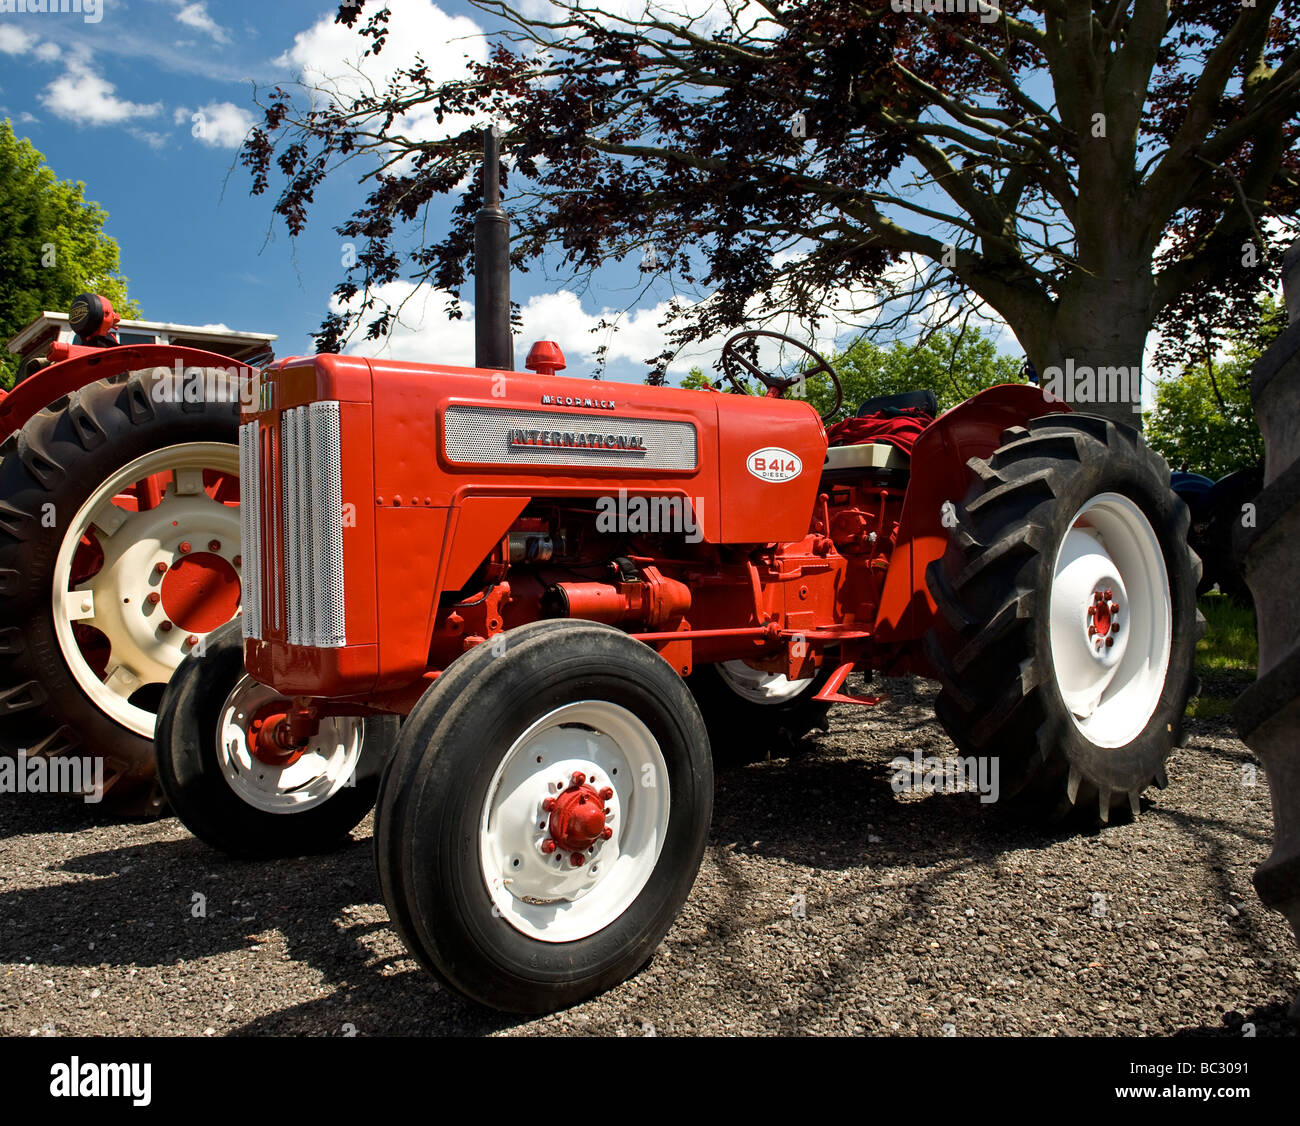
(1203, 418)
(52, 244)
(696, 380)
(955, 365)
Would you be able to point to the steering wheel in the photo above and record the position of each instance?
(732, 358)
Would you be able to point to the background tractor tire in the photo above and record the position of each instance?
(1067, 618)
(750, 714)
(66, 686)
(239, 805)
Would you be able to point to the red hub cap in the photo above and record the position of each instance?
(1103, 617)
(200, 593)
(577, 818)
(262, 743)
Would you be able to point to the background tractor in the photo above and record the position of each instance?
(505, 559)
(119, 528)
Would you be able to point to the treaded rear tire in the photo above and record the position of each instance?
(59, 458)
(991, 642)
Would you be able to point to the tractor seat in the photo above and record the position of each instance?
(899, 417)
(925, 400)
(866, 455)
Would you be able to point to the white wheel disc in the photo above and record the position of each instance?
(116, 599)
(544, 894)
(758, 686)
(327, 764)
(1111, 624)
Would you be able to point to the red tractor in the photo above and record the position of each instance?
(119, 529)
(572, 590)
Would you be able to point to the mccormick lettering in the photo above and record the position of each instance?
(567, 439)
(577, 401)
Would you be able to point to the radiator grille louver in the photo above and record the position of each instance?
(250, 506)
(295, 520)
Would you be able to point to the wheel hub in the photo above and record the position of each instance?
(200, 593)
(577, 820)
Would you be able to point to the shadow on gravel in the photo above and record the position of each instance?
(139, 911)
(21, 814)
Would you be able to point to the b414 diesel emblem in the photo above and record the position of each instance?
(772, 463)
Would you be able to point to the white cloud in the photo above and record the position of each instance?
(197, 17)
(329, 55)
(426, 334)
(180, 115)
(223, 125)
(83, 97)
(48, 52)
(15, 40)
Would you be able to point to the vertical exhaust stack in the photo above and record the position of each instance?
(493, 345)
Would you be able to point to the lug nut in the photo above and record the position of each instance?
(606, 833)
(161, 568)
(214, 545)
(605, 794)
(192, 640)
(185, 547)
(165, 627)
(548, 804)
(577, 860)
(1108, 595)
(1114, 607)
(154, 598)
(1109, 642)
(578, 778)
(548, 846)
(238, 561)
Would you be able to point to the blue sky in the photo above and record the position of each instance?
(110, 95)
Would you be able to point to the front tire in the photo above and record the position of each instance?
(244, 805)
(578, 715)
(1068, 618)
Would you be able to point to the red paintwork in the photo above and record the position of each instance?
(784, 574)
(577, 816)
(200, 593)
(87, 365)
(545, 358)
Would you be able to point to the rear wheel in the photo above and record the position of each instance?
(545, 815)
(119, 552)
(243, 794)
(1068, 617)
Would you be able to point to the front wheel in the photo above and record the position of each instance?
(243, 795)
(545, 815)
(1068, 617)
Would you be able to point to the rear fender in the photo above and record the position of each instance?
(88, 365)
(940, 475)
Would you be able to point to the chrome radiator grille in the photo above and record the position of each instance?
(294, 521)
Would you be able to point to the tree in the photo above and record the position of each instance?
(1086, 168)
(1204, 419)
(955, 365)
(52, 244)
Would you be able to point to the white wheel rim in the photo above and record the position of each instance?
(759, 686)
(542, 894)
(327, 764)
(1110, 663)
(115, 600)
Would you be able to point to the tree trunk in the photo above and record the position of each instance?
(1090, 354)
(1268, 713)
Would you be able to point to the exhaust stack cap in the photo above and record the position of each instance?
(545, 358)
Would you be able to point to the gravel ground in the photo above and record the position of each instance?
(826, 905)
